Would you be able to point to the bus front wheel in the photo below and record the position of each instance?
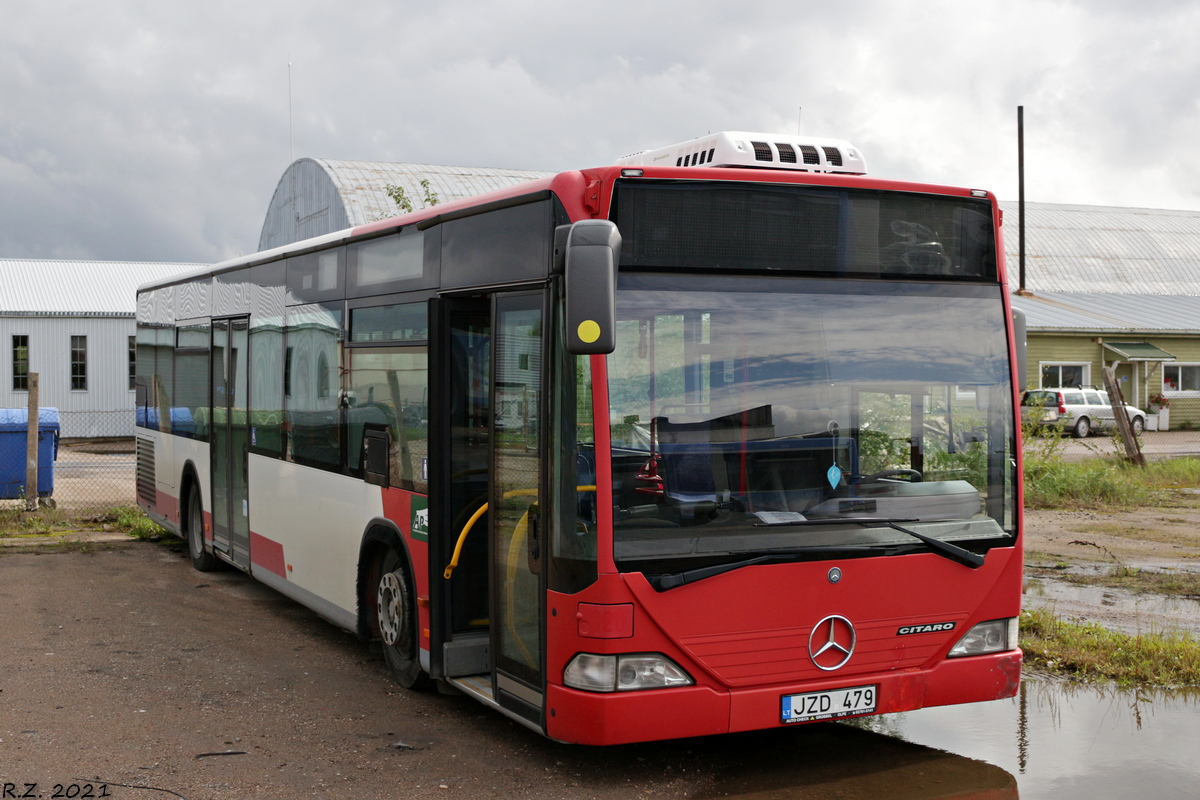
(396, 614)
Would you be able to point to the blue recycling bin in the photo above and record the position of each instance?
(14, 423)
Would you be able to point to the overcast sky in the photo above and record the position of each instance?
(157, 130)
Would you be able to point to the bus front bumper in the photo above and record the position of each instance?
(624, 717)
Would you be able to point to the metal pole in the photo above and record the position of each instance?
(1021, 193)
(31, 447)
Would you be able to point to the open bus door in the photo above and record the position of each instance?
(487, 626)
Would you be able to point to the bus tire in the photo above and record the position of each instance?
(202, 560)
(396, 622)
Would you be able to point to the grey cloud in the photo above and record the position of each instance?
(136, 129)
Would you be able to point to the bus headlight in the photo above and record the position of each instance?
(624, 673)
(993, 636)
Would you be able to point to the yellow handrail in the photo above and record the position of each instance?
(520, 533)
(479, 512)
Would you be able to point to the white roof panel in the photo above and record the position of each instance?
(77, 288)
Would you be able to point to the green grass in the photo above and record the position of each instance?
(1094, 484)
(133, 520)
(1092, 652)
(1104, 483)
(16, 521)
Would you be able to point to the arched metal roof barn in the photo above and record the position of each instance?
(317, 196)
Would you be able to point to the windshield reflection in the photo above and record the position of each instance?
(745, 410)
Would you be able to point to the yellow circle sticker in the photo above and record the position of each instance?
(588, 330)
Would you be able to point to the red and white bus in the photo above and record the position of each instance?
(719, 438)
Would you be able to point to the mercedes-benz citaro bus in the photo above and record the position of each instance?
(719, 438)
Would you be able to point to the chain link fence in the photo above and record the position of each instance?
(93, 462)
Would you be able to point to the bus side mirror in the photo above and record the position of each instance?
(1019, 336)
(593, 251)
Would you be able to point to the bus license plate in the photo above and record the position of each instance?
(829, 705)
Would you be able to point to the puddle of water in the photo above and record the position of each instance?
(1072, 742)
(1124, 610)
(831, 760)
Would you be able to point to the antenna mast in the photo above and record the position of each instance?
(291, 155)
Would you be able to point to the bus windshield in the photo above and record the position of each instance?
(766, 414)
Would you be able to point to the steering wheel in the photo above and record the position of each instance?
(913, 475)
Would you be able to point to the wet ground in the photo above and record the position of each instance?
(1121, 609)
(1072, 742)
(125, 666)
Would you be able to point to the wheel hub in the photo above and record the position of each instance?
(391, 609)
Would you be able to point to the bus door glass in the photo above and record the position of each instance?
(230, 440)
(517, 521)
(467, 413)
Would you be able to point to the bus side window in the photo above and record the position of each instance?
(313, 415)
(389, 393)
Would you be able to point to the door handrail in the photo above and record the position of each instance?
(479, 512)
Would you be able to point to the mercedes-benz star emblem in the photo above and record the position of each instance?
(835, 575)
(831, 643)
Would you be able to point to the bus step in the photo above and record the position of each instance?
(467, 654)
(478, 686)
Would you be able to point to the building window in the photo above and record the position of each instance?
(1181, 378)
(1065, 376)
(20, 354)
(79, 363)
(132, 363)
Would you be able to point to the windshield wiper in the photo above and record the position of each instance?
(673, 580)
(950, 551)
(953, 552)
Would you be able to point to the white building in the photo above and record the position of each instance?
(72, 322)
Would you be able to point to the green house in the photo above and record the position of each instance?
(1113, 287)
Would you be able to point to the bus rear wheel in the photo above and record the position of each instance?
(202, 560)
(396, 615)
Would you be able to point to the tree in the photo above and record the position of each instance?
(402, 201)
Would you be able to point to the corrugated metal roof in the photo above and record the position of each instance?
(317, 196)
(1101, 249)
(363, 184)
(77, 288)
(1110, 313)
